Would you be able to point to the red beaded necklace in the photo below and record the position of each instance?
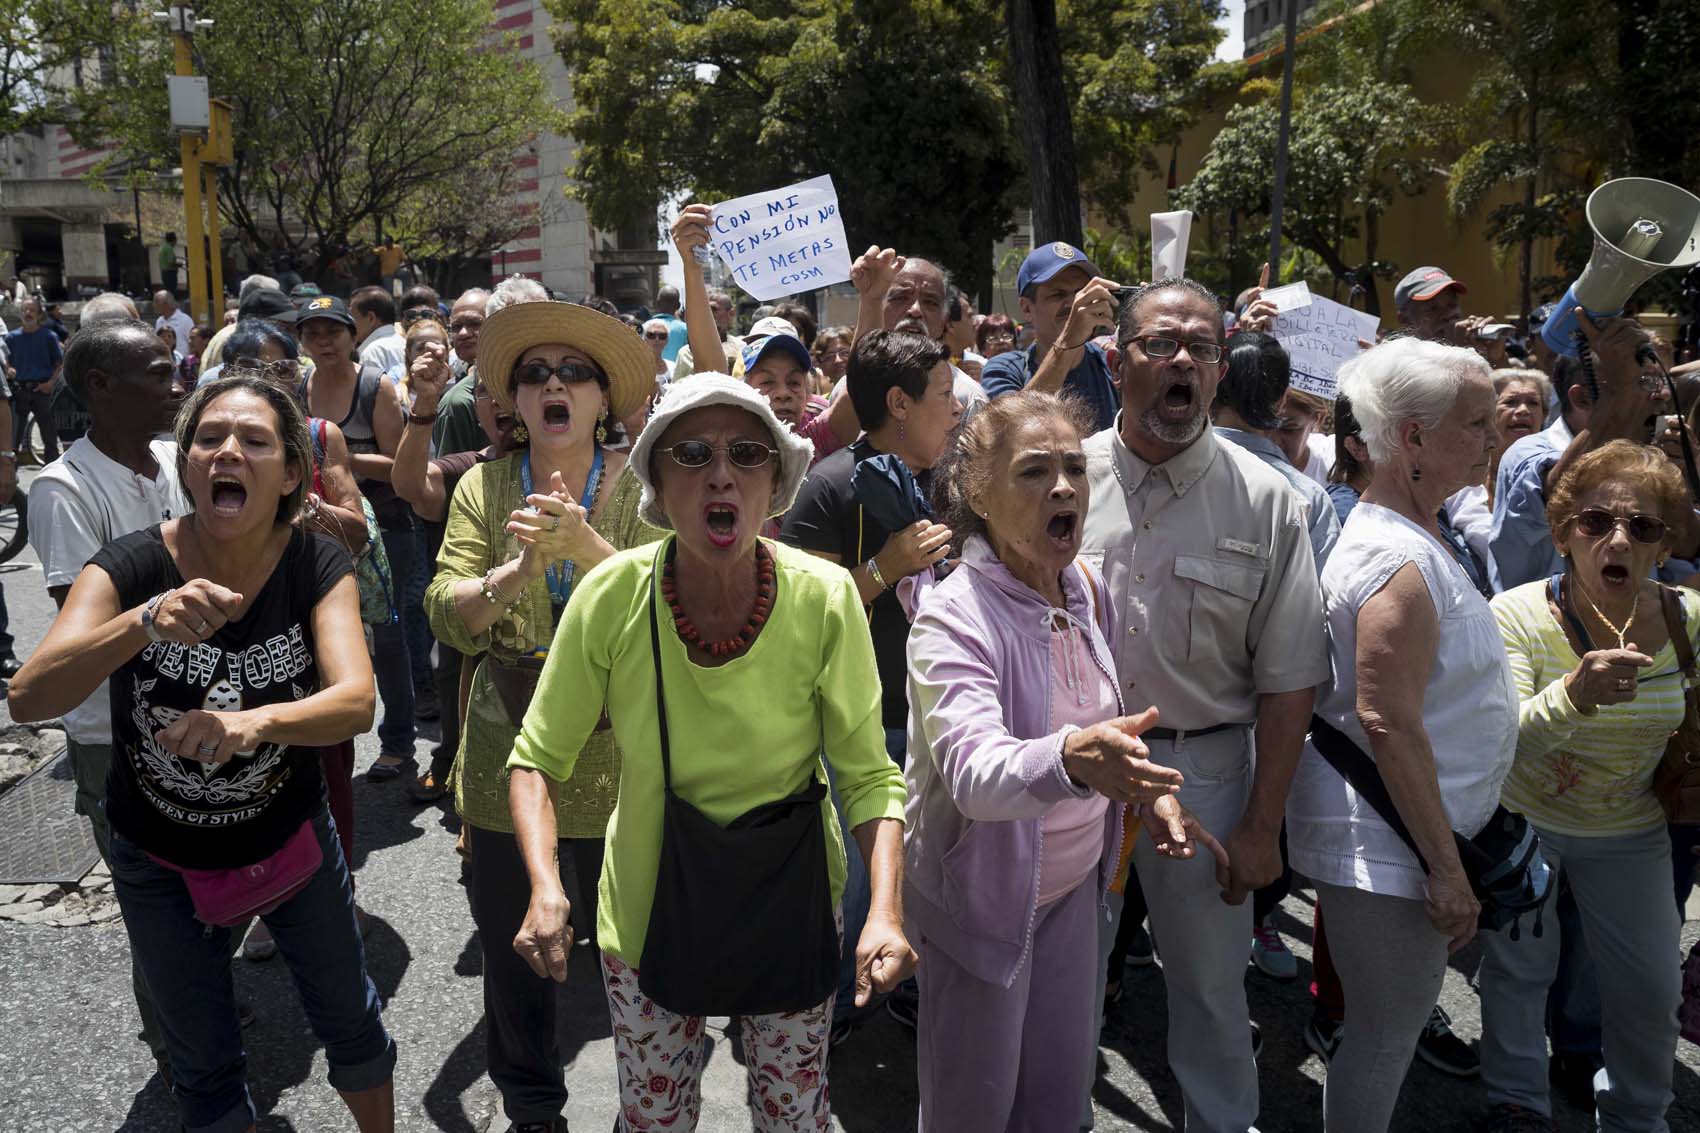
(688, 632)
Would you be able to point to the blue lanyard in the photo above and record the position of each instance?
(561, 581)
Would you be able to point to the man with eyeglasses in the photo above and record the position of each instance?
(457, 428)
(909, 295)
(1630, 396)
(1219, 625)
(1066, 301)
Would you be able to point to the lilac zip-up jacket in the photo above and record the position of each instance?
(985, 761)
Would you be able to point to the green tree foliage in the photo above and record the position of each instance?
(348, 112)
(1138, 72)
(897, 99)
(47, 48)
(1360, 139)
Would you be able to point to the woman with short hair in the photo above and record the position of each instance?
(1422, 687)
(1601, 687)
(234, 642)
(995, 335)
(686, 648)
(1022, 768)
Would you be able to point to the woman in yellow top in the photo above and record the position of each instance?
(1601, 691)
(728, 665)
(522, 530)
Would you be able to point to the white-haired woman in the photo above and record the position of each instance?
(1422, 686)
(655, 335)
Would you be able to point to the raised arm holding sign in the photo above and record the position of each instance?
(782, 242)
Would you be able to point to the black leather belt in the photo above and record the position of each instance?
(1177, 733)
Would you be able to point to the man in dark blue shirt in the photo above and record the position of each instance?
(35, 354)
(1066, 301)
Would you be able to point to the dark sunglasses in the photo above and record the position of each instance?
(655, 334)
(416, 314)
(570, 373)
(1162, 346)
(744, 454)
(1596, 523)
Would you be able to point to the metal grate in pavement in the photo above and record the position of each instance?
(42, 838)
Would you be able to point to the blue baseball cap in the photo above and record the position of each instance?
(1046, 260)
(775, 334)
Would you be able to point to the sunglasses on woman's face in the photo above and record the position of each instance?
(415, 314)
(743, 454)
(1596, 523)
(570, 373)
(655, 334)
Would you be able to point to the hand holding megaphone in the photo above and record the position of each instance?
(1617, 344)
(1641, 227)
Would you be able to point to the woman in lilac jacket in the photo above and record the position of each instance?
(1021, 765)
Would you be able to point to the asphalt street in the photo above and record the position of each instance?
(69, 1059)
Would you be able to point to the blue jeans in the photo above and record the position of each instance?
(187, 968)
(390, 662)
(413, 621)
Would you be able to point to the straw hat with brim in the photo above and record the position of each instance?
(512, 331)
(700, 391)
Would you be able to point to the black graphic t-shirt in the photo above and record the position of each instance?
(216, 816)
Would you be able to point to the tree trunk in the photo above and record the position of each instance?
(1366, 276)
(1047, 131)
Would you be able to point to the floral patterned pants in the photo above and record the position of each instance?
(660, 1060)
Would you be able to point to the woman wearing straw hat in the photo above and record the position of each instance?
(522, 531)
(728, 666)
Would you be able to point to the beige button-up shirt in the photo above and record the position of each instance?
(1217, 599)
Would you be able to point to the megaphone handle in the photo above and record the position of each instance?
(1586, 358)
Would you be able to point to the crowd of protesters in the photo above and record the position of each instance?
(942, 664)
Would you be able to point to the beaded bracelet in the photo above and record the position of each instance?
(494, 596)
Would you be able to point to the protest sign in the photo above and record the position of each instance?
(784, 241)
(1319, 337)
(1170, 234)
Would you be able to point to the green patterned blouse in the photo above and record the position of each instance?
(474, 542)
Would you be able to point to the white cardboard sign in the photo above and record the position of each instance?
(1319, 337)
(785, 241)
(1171, 232)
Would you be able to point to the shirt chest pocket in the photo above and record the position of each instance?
(1213, 603)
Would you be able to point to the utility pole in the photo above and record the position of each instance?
(1277, 196)
(205, 143)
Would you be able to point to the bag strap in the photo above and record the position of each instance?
(1091, 591)
(1677, 626)
(1358, 769)
(660, 691)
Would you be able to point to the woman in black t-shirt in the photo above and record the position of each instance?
(235, 646)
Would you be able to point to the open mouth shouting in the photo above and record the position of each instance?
(557, 416)
(1063, 530)
(228, 496)
(1616, 577)
(722, 521)
(1178, 400)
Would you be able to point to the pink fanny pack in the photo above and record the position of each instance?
(227, 897)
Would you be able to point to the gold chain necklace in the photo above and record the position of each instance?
(1622, 634)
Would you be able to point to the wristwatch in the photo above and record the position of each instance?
(148, 612)
(9, 454)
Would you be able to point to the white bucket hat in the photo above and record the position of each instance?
(702, 390)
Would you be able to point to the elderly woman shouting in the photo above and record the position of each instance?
(522, 530)
(1600, 677)
(1421, 684)
(1021, 763)
(725, 861)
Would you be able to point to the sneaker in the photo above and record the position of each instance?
(382, 772)
(1256, 1041)
(1270, 955)
(1445, 1051)
(1322, 1035)
(428, 788)
(1507, 1118)
(1572, 1076)
(1140, 952)
(905, 1007)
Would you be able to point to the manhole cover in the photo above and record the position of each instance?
(42, 837)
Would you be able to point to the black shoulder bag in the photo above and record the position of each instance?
(742, 922)
(1503, 862)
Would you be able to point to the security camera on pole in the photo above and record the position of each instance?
(203, 128)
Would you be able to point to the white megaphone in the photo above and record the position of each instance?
(1641, 227)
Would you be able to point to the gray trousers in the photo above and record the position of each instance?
(1391, 962)
(90, 764)
(1204, 941)
(1622, 889)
